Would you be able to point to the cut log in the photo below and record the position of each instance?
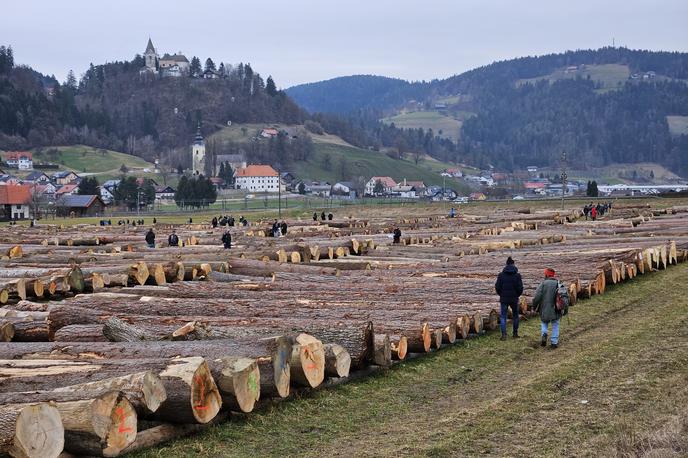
(6, 330)
(337, 361)
(307, 361)
(382, 354)
(240, 378)
(31, 431)
(104, 425)
(399, 347)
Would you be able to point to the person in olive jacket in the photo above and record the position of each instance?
(509, 286)
(544, 303)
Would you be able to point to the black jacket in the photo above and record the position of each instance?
(150, 237)
(509, 285)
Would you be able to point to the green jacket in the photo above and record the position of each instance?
(545, 298)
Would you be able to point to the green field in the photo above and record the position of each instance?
(610, 76)
(86, 159)
(434, 120)
(615, 387)
(358, 162)
(678, 125)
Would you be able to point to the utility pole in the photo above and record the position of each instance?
(563, 178)
(138, 201)
(279, 192)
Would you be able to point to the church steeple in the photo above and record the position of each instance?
(150, 48)
(199, 137)
(198, 153)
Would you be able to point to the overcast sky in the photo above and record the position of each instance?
(299, 41)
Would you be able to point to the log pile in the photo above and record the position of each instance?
(109, 346)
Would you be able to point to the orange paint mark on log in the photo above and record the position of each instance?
(201, 406)
(122, 419)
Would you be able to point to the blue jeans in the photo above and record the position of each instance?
(503, 315)
(554, 338)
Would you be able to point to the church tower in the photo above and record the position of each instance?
(198, 153)
(151, 56)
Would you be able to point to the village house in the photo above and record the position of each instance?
(477, 196)
(257, 178)
(318, 188)
(164, 193)
(268, 133)
(9, 179)
(44, 189)
(76, 206)
(106, 195)
(454, 172)
(64, 177)
(15, 201)
(343, 188)
(21, 160)
(37, 177)
(387, 184)
(174, 65)
(67, 190)
(404, 191)
(419, 185)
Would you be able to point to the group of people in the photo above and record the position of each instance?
(550, 302)
(596, 211)
(278, 229)
(323, 217)
(173, 239)
(126, 222)
(227, 220)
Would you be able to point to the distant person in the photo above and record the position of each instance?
(155, 221)
(322, 216)
(227, 240)
(586, 211)
(283, 228)
(397, 235)
(593, 213)
(452, 212)
(509, 286)
(173, 240)
(214, 222)
(150, 238)
(315, 216)
(276, 229)
(330, 216)
(190, 220)
(548, 303)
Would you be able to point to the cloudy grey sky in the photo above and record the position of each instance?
(301, 41)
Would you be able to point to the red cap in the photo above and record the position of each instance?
(549, 273)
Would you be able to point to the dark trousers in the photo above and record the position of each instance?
(503, 316)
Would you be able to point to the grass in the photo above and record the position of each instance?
(615, 387)
(366, 163)
(86, 159)
(434, 120)
(610, 75)
(678, 125)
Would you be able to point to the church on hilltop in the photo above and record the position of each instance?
(168, 65)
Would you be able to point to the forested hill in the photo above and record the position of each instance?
(602, 106)
(114, 106)
(351, 93)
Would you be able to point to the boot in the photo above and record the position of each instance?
(543, 342)
(553, 346)
(515, 335)
(503, 337)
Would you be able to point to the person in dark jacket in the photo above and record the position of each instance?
(315, 216)
(544, 302)
(283, 228)
(397, 235)
(214, 222)
(150, 238)
(322, 216)
(227, 240)
(173, 239)
(509, 286)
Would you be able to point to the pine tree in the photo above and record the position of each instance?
(210, 65)
(270, 87)
(88, 187)
(71, 82)
(195, 67)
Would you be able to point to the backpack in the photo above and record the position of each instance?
(562, 302)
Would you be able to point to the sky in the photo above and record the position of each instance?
(299, 41)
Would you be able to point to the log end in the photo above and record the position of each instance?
(399, 348)
(38, 432)
(205, 397)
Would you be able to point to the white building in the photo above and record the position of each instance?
(387, 184)
(257, 178)
(22, 160)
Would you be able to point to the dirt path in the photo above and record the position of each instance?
(617, 384)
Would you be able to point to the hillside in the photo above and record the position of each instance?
(606, 106)
(333, 159)
(84, 159)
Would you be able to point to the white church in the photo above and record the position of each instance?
(167, 65)
(198, 154)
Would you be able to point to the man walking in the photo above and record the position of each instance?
(544, 303)
(509, 286)
(150, 238)
(227, 240)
